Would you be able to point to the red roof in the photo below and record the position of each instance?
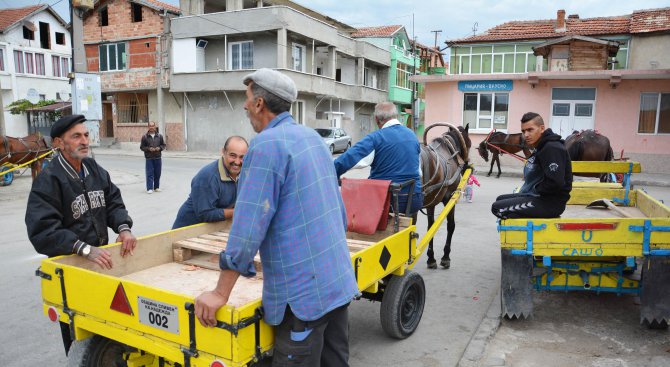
(640, 21)
(383, 31)
(163, 5)
(650, 20)
(11, 16)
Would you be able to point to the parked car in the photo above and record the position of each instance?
(335, 138)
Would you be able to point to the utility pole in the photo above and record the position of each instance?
(436, 33)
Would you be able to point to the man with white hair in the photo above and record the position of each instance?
(394, 154)
(289, 209)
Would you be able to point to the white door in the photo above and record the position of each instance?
(572, 109)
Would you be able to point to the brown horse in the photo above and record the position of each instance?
(442, 163)
(22, 150)
(500, 143)
(589, 145)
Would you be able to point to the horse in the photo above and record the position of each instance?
(22, 150)
(589, 145)
(443, 161)
(499, 143)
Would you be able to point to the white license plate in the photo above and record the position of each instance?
(159, 315)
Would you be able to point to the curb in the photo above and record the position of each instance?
(476, 348)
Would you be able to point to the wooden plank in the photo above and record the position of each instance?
(651, 207)
(604, 167)
(214, 238)
(181, 254)
(200, 247)
(208, 242)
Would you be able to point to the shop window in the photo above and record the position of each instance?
(486, 110)
(654, 113)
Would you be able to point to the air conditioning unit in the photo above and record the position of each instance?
(201, 44)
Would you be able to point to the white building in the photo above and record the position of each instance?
(35, 58)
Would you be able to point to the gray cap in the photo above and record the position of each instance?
(274, 82)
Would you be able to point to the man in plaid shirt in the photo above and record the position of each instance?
(290, 209)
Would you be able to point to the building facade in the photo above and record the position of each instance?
(217, 43)
(611, 74)
(35, 59)
(128, 43)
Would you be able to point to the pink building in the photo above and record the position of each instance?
(611, 74)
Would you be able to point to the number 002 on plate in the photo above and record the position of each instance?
(157, 314)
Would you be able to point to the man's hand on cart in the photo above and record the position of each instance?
(128, 243)
(101, 257)
(206, 305)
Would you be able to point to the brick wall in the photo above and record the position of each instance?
(174, 139)
(120, 24)
(140, 79)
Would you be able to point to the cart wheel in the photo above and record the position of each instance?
(98, 351)
(655, 292)
(402, 305)
(7, 178)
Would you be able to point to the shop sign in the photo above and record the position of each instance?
(484, 85)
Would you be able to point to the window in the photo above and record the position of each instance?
(28, 33)
(136, 12)
(60, 38)
(103, 20)
(298, 111)
(654, 113)
(133, 108)
(241, 55)
(30, 63)
(2, 59)
(493, 59)
(65, 66)
(43, 97)
(561, 109)
(39, 64)
(369, 78)
(18, 61)
(45, 35)
(402, 75)
(55, 66)
(583, 109)
(113, 57)
(486, 110)
(298, 53)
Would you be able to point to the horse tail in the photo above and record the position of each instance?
(575, 150)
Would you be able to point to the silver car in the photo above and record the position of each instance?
(335, 138)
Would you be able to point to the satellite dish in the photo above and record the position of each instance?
(33, 97)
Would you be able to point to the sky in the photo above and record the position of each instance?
(456, 19)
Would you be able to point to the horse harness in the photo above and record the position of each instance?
(8, 152)
(501, 150)
(449, 178)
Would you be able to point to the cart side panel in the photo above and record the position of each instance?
(244, 345)
(586, 195)
(383, 258)
(651, 207)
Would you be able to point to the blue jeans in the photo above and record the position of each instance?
(153, 171)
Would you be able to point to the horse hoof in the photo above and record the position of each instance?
(445, 263)
(488, 175)
(498, 176)
(432, 264)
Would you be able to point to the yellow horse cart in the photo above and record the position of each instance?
(141, 312)
(624, 249)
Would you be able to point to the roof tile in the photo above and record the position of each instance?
(383, 31)
(650, 20)
(13, 15)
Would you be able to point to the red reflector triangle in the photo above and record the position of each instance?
(120, 302)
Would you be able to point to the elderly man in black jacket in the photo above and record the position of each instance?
(73, 201)
(548, 176)
(152, 145)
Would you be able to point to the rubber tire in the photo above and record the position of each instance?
(6, 179)
(332, 149)
(402, 305)
(97, 351)
(348, 146)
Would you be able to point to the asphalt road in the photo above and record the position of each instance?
(457, 299)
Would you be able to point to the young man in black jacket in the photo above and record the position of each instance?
(73, 201)
(548, 176)
(152, 145)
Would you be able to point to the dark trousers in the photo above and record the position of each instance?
(153, 171)
(510, 206)
(323, 342)
(417, 203)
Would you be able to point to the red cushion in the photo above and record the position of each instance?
(367, 203)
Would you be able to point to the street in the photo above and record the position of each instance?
(457, 299)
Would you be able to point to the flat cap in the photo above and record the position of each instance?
(65, 123)
(274, 82)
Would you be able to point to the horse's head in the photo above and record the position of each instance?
(483, 151)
